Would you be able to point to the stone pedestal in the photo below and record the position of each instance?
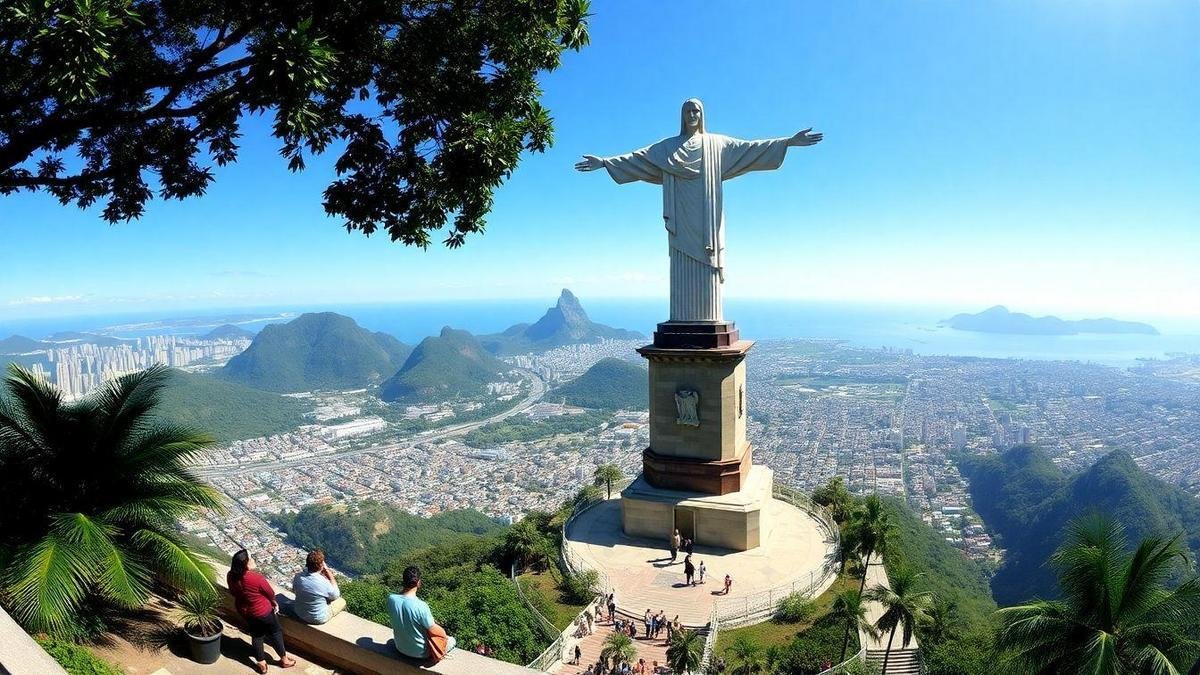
(734, 520)
(697, 476)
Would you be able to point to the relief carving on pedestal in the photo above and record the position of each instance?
(686, 403)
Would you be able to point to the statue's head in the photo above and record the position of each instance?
(691, 116)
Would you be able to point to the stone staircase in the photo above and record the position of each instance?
(901, 662)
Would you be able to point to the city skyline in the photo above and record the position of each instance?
(1042, 157)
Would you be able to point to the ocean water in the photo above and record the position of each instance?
(915, 328)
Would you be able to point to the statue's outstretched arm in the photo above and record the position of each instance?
(589, 163)
(805, 138)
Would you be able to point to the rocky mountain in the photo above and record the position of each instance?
(227, 332)
(1029, 503)
(563, 324)
(453, 363)
(316, 351)
(612, 384)
(999, 320)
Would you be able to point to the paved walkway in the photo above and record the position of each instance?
(903, 659)
(795, 549)
(651, 650)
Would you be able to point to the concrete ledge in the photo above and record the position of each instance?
(20, 654)
(355, 645)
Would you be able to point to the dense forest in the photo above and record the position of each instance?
(1028, 502)
(368, 536)
(220, 407)
(610, 384)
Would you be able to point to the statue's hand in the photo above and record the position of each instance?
(589, 163)
(805, 138)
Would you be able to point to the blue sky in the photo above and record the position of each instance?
(1041, 154)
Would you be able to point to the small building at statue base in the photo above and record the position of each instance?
(697, 476)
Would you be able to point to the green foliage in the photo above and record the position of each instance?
(370, 535)
(443, 366)
(74, 659)
(610, 384)
(231, 410)
(905, 608)
(579, 588)
(198, 612)
(606, 475)
(93, 490)
(467, 593)
(367, 597)
(834, 496)
(1116, 615)
(316, 351)
(685, 650)
(429, 105)
(746, 656)
(1030, 504)
(950, 575)
(807, 652)
(795, 608)
(618, 649)
(520, 428)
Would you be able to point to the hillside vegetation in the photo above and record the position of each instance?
(227, 411)
(370, 535)
(316, 351)
(442, 367)
(610, 384)
(1028, 502)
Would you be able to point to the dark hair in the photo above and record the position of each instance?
(241, 562)
(315, 560)
(412, 576)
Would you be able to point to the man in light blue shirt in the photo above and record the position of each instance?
(318, 597)
(411, 618)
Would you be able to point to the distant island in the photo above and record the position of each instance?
(999, 320)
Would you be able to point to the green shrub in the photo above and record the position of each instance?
(74, 659)
(794, 609)
(579, 589)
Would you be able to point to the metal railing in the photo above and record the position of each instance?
(734, 612)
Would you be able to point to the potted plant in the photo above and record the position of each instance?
(196, 613)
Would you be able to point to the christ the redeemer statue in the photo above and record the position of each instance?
(691, 167)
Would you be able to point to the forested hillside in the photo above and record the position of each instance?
(367, 536)
(225, 410)
(1028, 503)
(611, 384)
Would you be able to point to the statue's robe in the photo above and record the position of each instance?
(691, 170)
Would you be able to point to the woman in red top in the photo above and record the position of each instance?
(255, 601)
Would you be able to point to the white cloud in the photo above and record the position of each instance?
(45, 299)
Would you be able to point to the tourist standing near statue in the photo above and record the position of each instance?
(689, 571)
(691, 168)
(674, 546)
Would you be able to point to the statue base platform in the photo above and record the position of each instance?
(734, 520)
(713, 477)
(695, 335)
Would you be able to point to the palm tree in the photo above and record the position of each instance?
(93, 490)
(685, 651)
(1116, 614)
(619, 649)
(606, 475)
(903, 607)
(747, 655)
(871, 530)
(848, 608)
(834, 496)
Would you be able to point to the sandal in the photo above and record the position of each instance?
(287, 662)
(261, 667)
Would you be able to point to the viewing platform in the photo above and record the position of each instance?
(798, 553)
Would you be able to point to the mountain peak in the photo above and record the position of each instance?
(570, 307)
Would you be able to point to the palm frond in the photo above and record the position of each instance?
(123, 404)
(1143, 577)
(173, 561)
(34, 407)
(46, 583)
(116, 574)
